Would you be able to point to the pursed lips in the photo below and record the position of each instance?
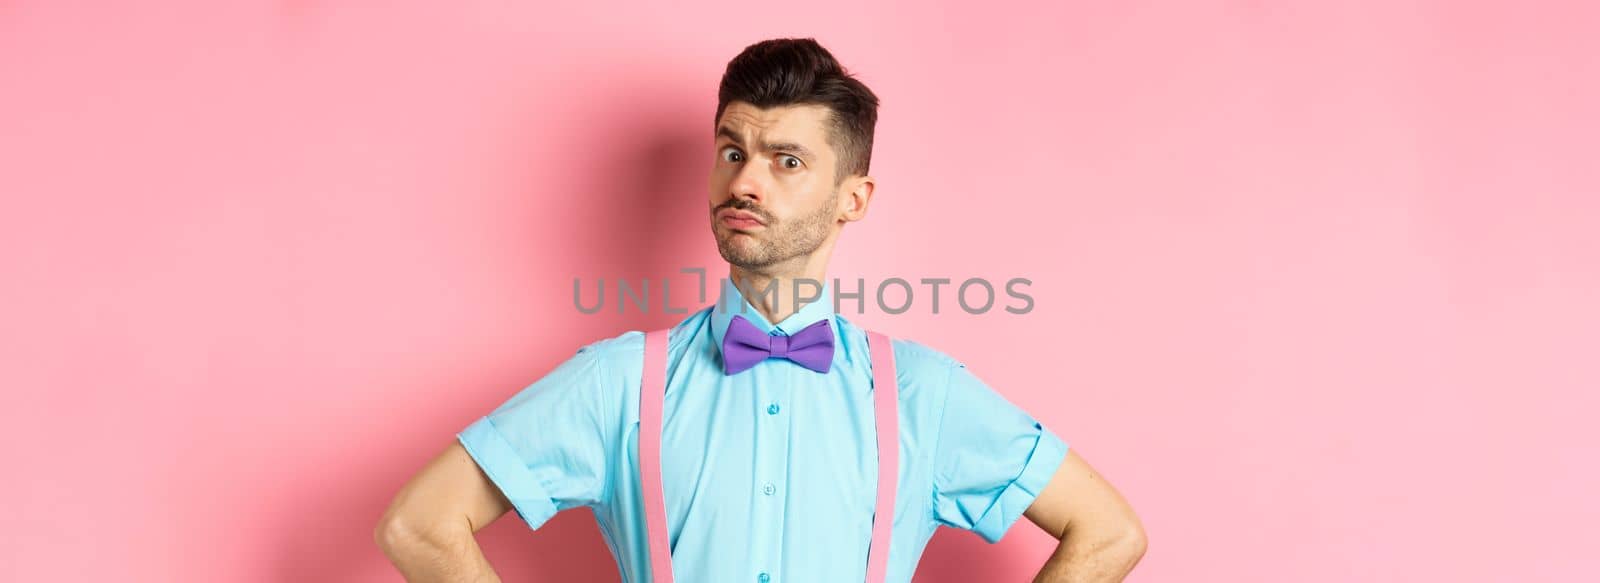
(740, 219)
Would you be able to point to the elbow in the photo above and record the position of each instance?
(1138, 542)
(398, 531)
(390, 534)
(1133, 542)
(399, 534)
(1122, 539)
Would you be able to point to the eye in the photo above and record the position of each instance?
(731, 154)
(790, 162)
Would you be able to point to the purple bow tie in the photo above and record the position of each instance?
(744, 345)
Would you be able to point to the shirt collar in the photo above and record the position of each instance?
(731, 302)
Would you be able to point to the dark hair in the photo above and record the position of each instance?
(794, 71)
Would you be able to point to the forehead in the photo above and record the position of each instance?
(804, 123)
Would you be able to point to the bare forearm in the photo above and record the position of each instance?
(1087, 558)
(454, 558)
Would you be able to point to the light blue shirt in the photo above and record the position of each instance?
(770, 475)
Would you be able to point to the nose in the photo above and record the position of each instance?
(748, 183)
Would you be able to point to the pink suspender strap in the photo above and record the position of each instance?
(652, 392)
(884, 401)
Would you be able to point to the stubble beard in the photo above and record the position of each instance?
(781, 241)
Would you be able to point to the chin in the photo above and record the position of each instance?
(740, 255)
(729, 238)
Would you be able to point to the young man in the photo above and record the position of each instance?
(768, 451)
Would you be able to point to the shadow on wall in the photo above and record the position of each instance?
(643, 215)
(640, 212)
(633, 207)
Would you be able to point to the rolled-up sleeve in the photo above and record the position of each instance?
(546, 446)
(991, 458)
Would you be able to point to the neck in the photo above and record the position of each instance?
(773, 292)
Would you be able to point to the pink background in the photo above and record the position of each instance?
(1316, 286)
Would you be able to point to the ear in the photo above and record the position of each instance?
(855, 198)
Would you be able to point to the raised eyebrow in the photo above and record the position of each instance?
(789, 147)
(726, 132)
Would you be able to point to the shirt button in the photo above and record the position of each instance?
(768, 489)
(763, 578)
(772, 409)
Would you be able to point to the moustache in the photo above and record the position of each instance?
(746, 206)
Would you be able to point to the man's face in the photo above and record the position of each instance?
(773, 195)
